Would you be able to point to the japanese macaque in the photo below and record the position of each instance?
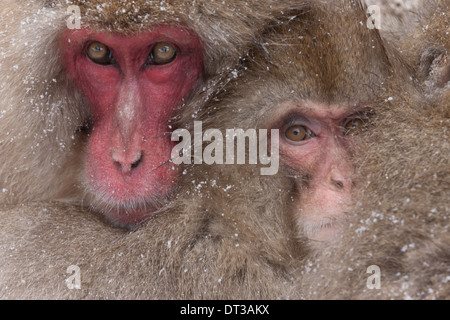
(305, 82)
(332, 89)
(397, 242)
(90, 91)
(232, 232)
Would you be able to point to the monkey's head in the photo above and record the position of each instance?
(133, 80)
(133, 84)
(338, 76)
(318, 78)
(427, 46)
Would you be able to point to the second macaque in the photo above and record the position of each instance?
(320, 88)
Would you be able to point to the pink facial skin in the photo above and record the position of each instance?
(127, 166)
(324, 159)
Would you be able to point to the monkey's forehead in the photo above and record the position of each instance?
(132, 16)
(129, 16)
(325, 58)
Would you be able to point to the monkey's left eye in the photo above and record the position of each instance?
(298, 133)
(162, 53)
(354, 126)
(100, 53)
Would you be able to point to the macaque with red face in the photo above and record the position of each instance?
(134, 86)
(87, 111)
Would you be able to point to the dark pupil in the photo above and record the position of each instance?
(165, 49)
(297, 132)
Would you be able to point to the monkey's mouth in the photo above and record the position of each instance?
(130, 212)
(129, 199)
(325, 229)
(128, 215)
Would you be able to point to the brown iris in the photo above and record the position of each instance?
(99, 53)
(298, 133)
(162, 53)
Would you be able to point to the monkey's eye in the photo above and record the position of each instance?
(162, 53)
(298, 133)
(100, 53)
(354, 126)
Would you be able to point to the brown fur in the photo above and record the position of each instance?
(430, 54)
(217, 242)
(423, 39)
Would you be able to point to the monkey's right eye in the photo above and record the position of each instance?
(162, 53)
(100, 53)
(298, 133)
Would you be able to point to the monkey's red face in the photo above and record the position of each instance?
(316, 144)
(133, 85)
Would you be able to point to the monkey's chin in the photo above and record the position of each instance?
(127, 207)
(127, 215)
(130, 217)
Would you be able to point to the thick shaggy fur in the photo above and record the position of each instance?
(423, 39)
(226, 244)
(226, 237)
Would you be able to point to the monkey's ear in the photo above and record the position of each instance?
(435, 67)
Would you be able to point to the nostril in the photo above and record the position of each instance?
(127, 164)
(339, 184)
(118, 165)
(340, 177)
(137, 162)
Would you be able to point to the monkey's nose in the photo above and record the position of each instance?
(127, 162)
(340, 176)
(341, 183)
